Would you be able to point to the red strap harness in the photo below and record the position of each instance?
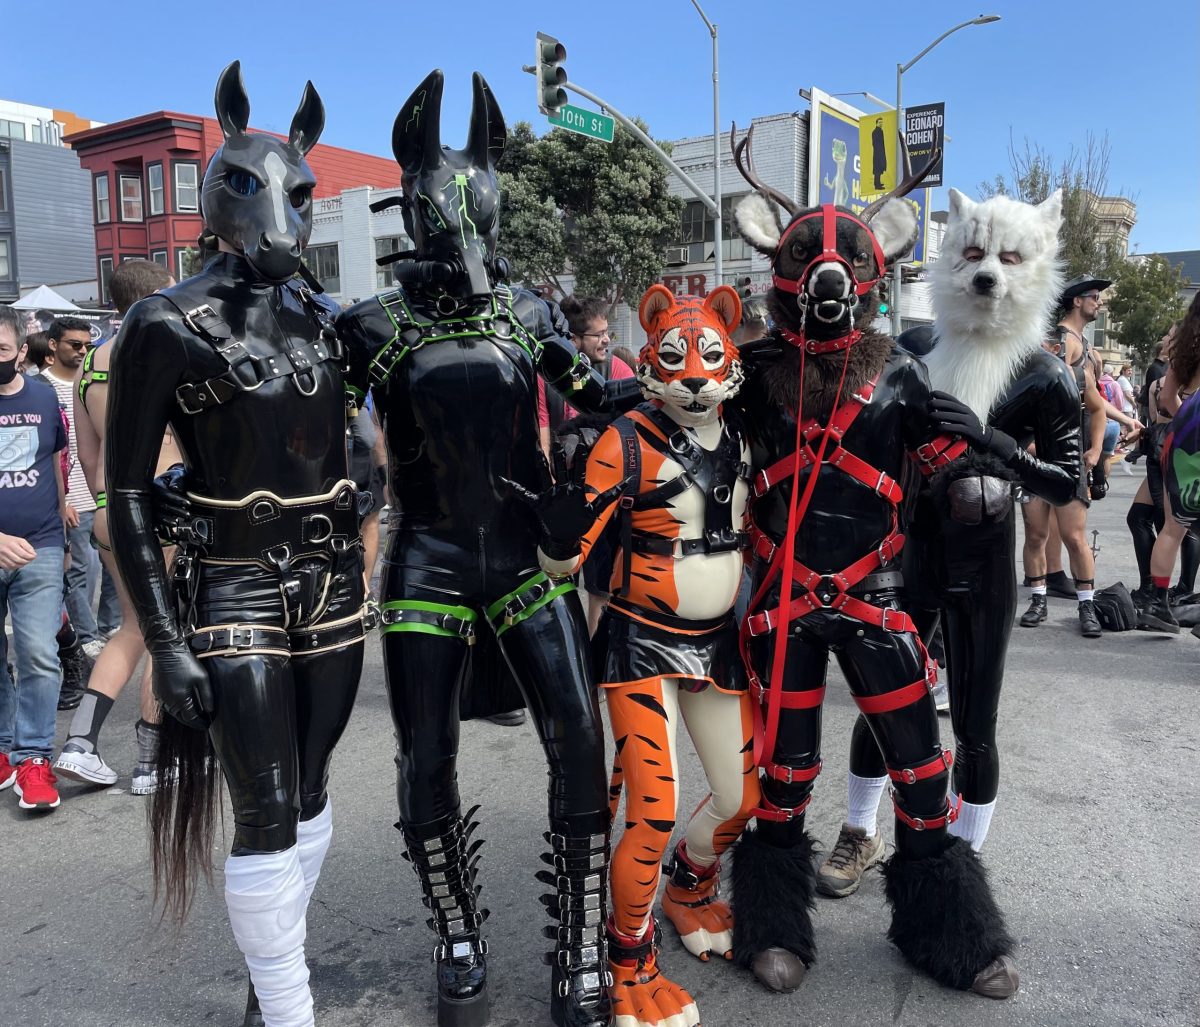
(829, 251)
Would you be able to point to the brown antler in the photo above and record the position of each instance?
(747, 170)
(910, 182)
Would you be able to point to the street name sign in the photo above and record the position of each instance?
(583, 122)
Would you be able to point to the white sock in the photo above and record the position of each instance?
(1037, 590)
(972, 823)
(862, 804)
(266, 901)
(312, 841)
(1085, 594)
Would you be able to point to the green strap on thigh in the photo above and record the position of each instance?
(525, 600)
(429, 619)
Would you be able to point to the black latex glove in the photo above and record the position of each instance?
(1098, 484)
(565, 512)
(181, 685)
(171, 507)
(956, 418)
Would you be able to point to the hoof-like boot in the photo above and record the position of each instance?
(945, 920)
(446, 865)
(641, 995)
(773, 892)
(693, 903)
(579, 978)
(253, 1017)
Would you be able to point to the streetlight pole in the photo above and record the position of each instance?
(718, 228)
(983, 19)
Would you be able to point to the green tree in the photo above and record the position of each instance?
(1145, 301)
(598, 210)
(1083, 177)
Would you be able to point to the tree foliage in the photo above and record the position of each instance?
(1145, 301)
(1034, 173)
(600, 211)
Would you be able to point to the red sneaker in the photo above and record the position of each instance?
(8, 773)
(35, 784)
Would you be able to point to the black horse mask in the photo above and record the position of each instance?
(451, 203)
(257, 193)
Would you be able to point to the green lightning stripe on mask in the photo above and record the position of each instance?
(464, 219)
(415, 116)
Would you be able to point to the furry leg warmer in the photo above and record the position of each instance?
(945, 920)
(773, 898)
(312, 842)
(266, 900)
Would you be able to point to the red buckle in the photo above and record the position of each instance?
(933, 823)
(759, 623)
(780, 814)
(790, 775)
(890, 548)
(940, 764)
(895, 621)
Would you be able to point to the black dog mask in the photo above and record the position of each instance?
(451, 203)
(257, 192)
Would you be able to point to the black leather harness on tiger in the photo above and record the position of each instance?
(714, 472)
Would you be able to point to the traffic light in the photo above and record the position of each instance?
(743, 288)
(551, 75)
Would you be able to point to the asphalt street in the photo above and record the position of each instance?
(1093, 854)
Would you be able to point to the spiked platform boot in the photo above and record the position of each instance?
(446, 865)
(579, 980)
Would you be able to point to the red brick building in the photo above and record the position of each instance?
(146, 174)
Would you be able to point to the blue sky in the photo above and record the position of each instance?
(1049, 71)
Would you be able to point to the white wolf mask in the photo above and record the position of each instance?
(994, 292)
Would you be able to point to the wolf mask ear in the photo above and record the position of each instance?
(960, 205)
(1051, 208)
(895, 227)
(758, 220)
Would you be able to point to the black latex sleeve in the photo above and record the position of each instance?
(148, 361)
(1053, 473)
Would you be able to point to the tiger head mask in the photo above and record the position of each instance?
(689, 363)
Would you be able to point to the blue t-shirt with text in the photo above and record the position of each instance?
(31, 433)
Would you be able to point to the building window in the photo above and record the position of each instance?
(699, 232)
(131, 197)
(323, 262)
(5, 262)
(187, 262)
(103, 210)
(187, 188)
(160, 258)
(154, 186)
(3, 190)
(385, 277)
(106, 270)
(12, 129)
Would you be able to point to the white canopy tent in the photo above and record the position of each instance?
(44, 298)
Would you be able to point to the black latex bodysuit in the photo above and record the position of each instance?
(271, 579)
(966, 572)
(460, 415)
(845, 521)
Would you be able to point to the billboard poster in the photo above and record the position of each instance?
(877, 143)
(924, 132)
(835, 173)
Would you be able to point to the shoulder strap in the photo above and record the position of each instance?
(631, 467)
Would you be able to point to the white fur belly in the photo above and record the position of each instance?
(708, 584)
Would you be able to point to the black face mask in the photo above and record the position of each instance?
(8, 370)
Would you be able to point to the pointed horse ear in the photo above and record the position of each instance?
(309, 121)
(726, 304)
(657, 299)
(416, 135)
(231, 102)
(485, 141)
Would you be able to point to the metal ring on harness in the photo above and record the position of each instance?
(315, 519)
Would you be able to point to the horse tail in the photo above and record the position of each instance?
(182, 814)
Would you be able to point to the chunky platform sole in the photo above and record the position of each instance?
(465, 1012)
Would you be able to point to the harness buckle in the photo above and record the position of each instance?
(897, 619)
(202, 311)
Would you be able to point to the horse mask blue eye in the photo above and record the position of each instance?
(264, 213)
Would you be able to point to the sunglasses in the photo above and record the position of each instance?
(1090, 296)
(76, 345)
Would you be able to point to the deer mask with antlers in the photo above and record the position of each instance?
(826, 262)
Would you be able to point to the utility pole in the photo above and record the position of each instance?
(718, 226)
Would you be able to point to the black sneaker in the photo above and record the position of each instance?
(1089, 623)
(1180, 596)
(1060, 586)
(1036, 613)
(514, 718)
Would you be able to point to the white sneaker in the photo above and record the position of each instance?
(88, 767)
(94, 648)
(145, 780)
